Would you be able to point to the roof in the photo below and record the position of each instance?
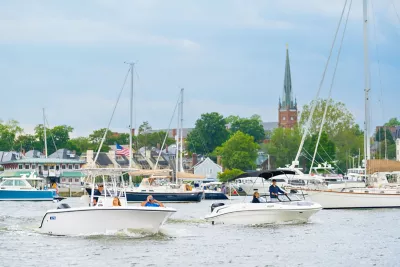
(33, 154)
(205, 160)
(72, 174)
(44, 160)
(14, 173)
(64, 153)
(269, 126)
(8, 156)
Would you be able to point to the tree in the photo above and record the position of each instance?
(239, 152)
(27, 142)
(337, 119)
(250, 126)
(82, 144)
(154, 139)
(209, 132)
(283, 145)
(8, 133)
(393, 122)
(228, 174)
(56, 137)
(382, 134)
(326, 151)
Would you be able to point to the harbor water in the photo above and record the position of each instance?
(331, 238)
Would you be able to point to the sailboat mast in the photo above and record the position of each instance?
(45, 135)
(181, 135)
(177, 132)
(131, 121)
(367, 86)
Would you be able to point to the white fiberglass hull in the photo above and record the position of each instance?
(100, 220)
(264, 213)
(351, 200)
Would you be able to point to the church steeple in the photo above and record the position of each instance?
(287, 105)
(287, 97)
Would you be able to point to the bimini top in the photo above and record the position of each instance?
(264, 174)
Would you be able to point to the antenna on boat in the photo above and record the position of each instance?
(45, 136)
(367, 87)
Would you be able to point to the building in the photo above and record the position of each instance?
(398, 149)
(287, 105)
(64, 171)
(207, 168)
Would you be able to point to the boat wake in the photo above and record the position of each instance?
(185, 221)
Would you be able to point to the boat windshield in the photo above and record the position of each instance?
(287, 198)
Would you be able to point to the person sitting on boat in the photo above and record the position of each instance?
(98, 192)
(116, 202)
(274, 190)
(257, 198)
(151, 202)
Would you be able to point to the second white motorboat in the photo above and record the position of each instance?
(286, 208)
(104, 217)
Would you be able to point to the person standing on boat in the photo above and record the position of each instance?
(151, 202)
(274, 190)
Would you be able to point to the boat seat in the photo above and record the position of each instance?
(63, 206)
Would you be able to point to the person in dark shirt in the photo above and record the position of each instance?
(274, 190)
(97, 192)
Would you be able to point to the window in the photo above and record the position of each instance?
(57, 167)
(70, 166)
(76, 180)
(20, 166)
(8, 183)
(70, 180)
(210, 171)
(26, 166)
(33, 166)
(76, 166)
(63, 180)
(19, 183)
(63, 167)
(284, 118)
(45, 168)
(291, 118)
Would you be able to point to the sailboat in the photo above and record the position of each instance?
(178, 192)
(360, 197)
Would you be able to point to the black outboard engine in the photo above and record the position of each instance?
(63, 206)
(214, 205)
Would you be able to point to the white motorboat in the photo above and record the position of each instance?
(104, 217)
(284, 209)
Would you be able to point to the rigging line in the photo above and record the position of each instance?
(308, 124)
(395, 10)
(166, 134)
(52, 136)
(331, 87)
(333, 161)
(112, 116)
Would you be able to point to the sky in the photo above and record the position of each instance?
(229, 55)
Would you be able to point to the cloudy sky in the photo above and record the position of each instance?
(229, 55)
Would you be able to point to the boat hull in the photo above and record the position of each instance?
(190, 196)
(214, 195)
(263, 213)
(101, 220)
(348, 200)
(27, 195)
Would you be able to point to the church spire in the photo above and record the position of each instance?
(287, 98)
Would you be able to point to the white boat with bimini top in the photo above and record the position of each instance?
(284, 208)
(111, 213)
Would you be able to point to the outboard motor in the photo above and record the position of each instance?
(214, 205)
(63, 206)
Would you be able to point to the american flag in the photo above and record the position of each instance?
(122, 151)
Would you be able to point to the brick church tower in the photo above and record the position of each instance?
(287, 106)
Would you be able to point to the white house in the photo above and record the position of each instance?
(398, 149)
(208, 168)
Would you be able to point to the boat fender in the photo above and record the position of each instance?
(214, 205)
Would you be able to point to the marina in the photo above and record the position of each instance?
(204, 156)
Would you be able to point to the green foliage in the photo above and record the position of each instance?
(250, 126)
(8, 133)
(326, 151)
(239, 152)
(27, 142)
(228, 174)
(283, 145)
(337, 119)
(382, 134)
(209, 132)
(393, 122)
(56, 137)
(150, 140)
(83, 144)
